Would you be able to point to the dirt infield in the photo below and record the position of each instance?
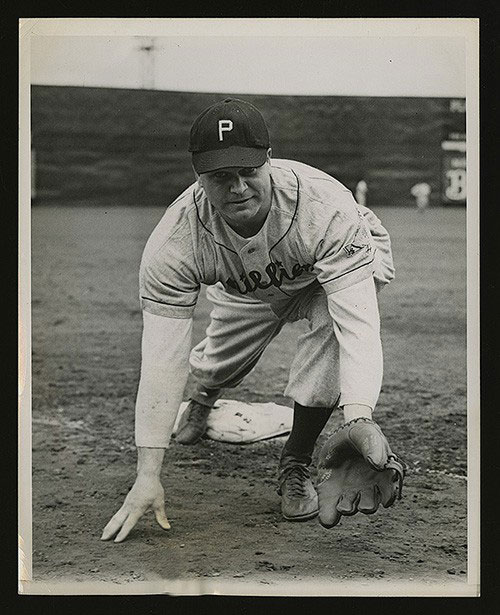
(221, 498)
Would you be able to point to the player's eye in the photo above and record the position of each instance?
(219, 175)
(248, 172)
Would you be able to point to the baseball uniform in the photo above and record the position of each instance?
(275, 241)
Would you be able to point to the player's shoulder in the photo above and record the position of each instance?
(320, 194)
(175, 223)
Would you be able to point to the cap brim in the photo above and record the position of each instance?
(203, 162)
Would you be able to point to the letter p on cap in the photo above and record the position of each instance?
(224, 126)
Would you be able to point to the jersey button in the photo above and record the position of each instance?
(251, 250)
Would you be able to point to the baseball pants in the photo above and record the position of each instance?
(240, 330)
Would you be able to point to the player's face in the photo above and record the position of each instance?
(242, 196)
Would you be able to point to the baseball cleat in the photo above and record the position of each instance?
(299, 500)
(193, 424)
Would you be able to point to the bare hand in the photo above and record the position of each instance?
(147, 492)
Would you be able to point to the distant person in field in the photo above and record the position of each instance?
(276, 241)
(421, 192)
(361, 190)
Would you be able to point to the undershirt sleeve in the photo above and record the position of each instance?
(166, 343)
(356, 322)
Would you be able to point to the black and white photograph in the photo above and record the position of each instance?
(248, 307)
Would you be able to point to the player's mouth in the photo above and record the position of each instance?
(240, 201)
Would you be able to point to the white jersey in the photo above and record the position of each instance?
(315, 233)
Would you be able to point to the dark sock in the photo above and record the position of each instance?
(307, 425)
(205, 396)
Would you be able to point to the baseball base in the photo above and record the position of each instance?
(239, 422)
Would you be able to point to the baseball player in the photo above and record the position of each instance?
(276, 241)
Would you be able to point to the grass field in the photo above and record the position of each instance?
(221, 499)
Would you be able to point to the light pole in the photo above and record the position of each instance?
(147, 50)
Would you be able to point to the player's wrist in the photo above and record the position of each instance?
(149, 461)
(355, 411)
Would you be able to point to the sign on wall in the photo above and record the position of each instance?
(453, 157)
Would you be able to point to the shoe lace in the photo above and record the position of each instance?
(295, 478)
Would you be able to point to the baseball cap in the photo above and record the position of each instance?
(231, 133)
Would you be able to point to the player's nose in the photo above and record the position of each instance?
(237, 185)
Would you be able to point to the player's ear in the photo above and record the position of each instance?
(269, 153)
(195, 173)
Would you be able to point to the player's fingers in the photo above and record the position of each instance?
(114, 524)
(369, 501)
(129, 523)
(348, 503)
(160, 514)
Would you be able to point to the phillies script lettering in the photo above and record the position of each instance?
(276, 274)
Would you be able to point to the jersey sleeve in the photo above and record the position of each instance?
(383, 263)
(169, 280)
(345, 255)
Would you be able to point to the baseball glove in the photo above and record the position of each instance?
(357, 471)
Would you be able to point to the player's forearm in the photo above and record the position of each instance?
(357, 326)
(158, 400)
(164, 370)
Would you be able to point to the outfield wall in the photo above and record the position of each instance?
(118, 146)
